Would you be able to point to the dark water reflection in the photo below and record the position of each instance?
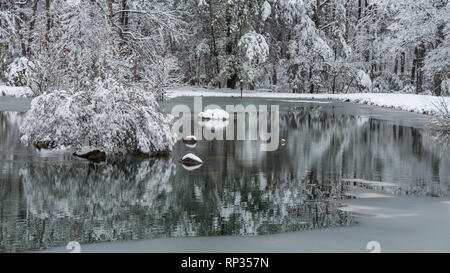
(48, 199)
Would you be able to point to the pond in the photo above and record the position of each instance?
(334, 152)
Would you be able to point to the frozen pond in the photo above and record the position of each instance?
(345, 169)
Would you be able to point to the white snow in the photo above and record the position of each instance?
(19, 92)
(424, 104)
(266, 11)
(214, 124)
(254, 46)
(193, 157)
(19, 71)
(190, 138)
(214, 114)
(305, 101)
(364, 80)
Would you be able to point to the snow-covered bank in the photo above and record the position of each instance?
(423, 104)
(18, 92)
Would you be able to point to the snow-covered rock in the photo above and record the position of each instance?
(214, 114)
(191, 160)
(190, 140)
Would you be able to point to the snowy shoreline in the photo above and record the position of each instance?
(16, 92)
(422, 104)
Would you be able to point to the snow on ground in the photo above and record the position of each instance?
(12, 91)
(423, 104)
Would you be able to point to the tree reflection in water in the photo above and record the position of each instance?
(124, 200)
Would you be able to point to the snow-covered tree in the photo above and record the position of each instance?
(313, 45)
(255, 52)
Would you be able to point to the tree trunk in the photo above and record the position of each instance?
(437, 81)
(413, 72)
(124, 25)
(359, 9)
(275, 79)
(213, 39)
(311, 85)
(318, 12)
(334, 84)
(420, 56)
(396, 66)
(402, 63)
(110, 9)
(49, 20)
(231, 81)
(32, 22)
(19, 28)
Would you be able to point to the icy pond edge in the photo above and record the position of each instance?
(422, 104)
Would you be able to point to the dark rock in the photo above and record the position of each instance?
(44, 145)
(96, 156)
(189, 141)
(190, 162)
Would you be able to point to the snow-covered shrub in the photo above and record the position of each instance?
(19, 72)
(231, 67)
(111, 118)
(255, 51)
(441, 123)
(394, 82)
(364, 82)
(409, 89)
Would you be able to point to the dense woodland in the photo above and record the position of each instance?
(305, 46)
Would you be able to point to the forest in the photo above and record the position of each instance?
(300, 46)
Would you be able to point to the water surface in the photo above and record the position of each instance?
(51, 198)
